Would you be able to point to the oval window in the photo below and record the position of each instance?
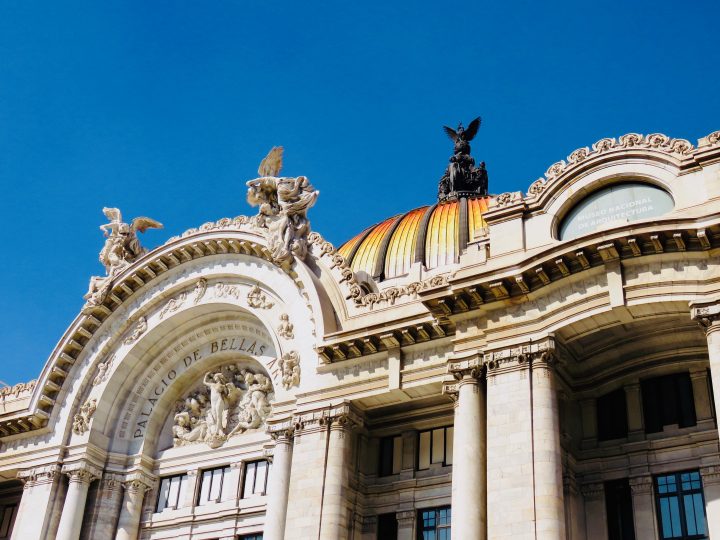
(613, 206)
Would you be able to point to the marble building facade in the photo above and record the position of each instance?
(534, 364)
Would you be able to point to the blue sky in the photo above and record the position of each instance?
(166, 108)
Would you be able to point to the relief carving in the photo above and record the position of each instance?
(173, 304)
(200, 288)
(81, 421)
(102, 371)
(290, 369)
(230, 400)
(139, 330)
(257, 299)
(285, 329)
(283, 205)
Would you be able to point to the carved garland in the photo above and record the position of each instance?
(655, 141)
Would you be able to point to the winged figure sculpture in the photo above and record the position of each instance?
(122, 245)
(272, 164)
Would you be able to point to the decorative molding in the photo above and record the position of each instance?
(710, 475)
(707, 315)
(139, 482)
(340, 416)
(679, 148)
(81, 421)
(39, 475)
(18, 389)
(593, 491)
(641, 485)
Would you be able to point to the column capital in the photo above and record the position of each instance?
(342, 416)
(82, 472)
(44, 474)
(282, 432)
(593, 490)
(406, 518)
(369, 524)
(641, 485)
(706, 314)
(112, 481)
(515, 357)
(138, 482)
(710, 475)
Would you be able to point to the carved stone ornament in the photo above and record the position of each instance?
(283, 204)
(285, 329)
(256, 299)
(139, 330)
(17, 389)
(200, 289)
(229, 401)
(290, 369)
(81, 421)
(173, 304)
(102, 371)
(122, 248)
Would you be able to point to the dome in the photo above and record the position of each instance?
(434, 235)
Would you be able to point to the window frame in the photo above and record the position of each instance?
(254, 463)
(444, 462)
(183, 479)
(226, 471)
(438, 527)
(679, 494)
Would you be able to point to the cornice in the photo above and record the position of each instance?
(473, 291)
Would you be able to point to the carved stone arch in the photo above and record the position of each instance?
(162, 366)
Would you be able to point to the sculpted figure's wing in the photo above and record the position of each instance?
(472, 129)
(450, 133)
(113, 214)
(271, 165)
(142, 224)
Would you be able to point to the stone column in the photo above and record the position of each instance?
(708, 316)
(468, 474)
(711, 489)
(549, 505)
(406, 524)
(643, 507)
(80, 475)
(279, 483)
(136, 485)
(106, 507)
(595, 518)
(334, 523)
(34, 514)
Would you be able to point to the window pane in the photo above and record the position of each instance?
(397, 455)
(173, 493)
(675, 516)
(216, 485)
(260, 478)
(424, 452)
(249, 484)
(205, 487)
(182, 482)
(699, 505)
(386, 456)
(686, 401)
(229, 488)
(438, 445)
(449, 439)
(163, 494)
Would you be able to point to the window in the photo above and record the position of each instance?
(681, 505)
(8, 512)
(668, 400)
(256, 536)
(172, 492)
(215, 486)
(612, 416)
(434, 524)
(387, 527)
(390, 456)
(618, 504)
(256, 476)
(435, 446)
